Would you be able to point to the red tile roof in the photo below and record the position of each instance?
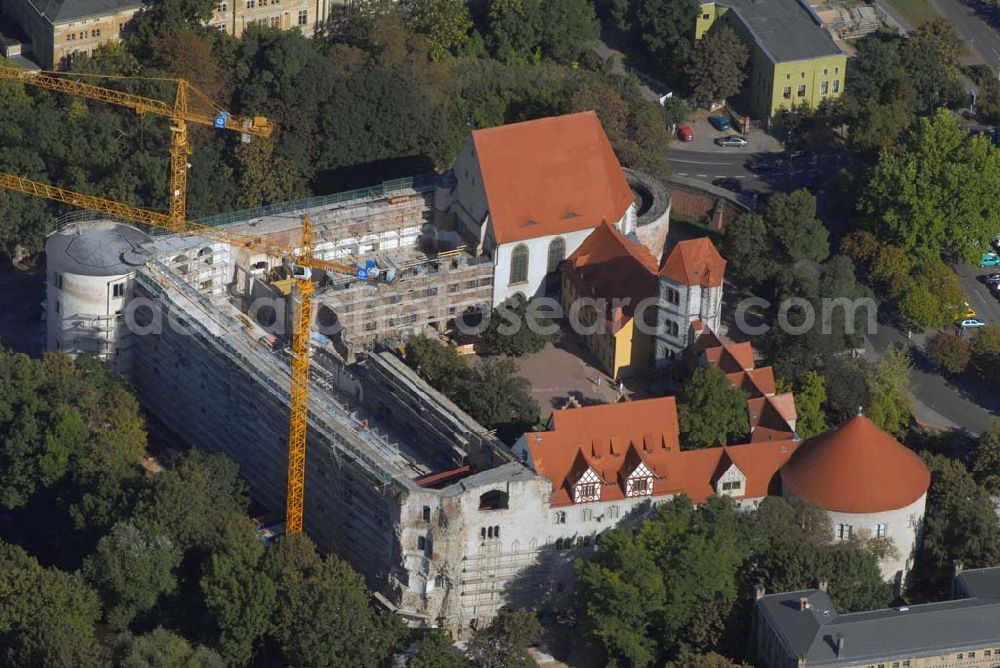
(695, 262)
(608, 265)
(755, 382)
(550, 176)
(612, 439)
(856, 468)
(730, 357)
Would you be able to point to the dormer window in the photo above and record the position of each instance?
(587, 488)
(639, 482)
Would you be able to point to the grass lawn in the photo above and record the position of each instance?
(915, 11)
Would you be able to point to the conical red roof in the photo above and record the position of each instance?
(857, 468)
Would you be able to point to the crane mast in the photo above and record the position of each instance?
(180, 113)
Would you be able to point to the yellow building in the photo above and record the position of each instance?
(607, 284)
(57, 29)
(793, 60)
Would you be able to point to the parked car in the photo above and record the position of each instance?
(990, 260)
(685, 133)
(732, 141)
(729, 183)
(964, 313)
(719, 123)
(991, 279)
(972, 323)
(763, 164)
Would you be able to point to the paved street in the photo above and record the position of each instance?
(980, 37)
(965, 402)
(980, 298)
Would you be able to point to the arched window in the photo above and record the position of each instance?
(557, 253)
(519, 265)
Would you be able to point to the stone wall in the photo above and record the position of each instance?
(703, 205)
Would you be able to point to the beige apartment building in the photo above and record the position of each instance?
(56, 29)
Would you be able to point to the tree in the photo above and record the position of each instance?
(986, 351)
(48, 616)
(344, 629)
(504, 643)
(959, 523)
(745, 246)
(932, 294)
(688, 658)
(711, 411)
(515, 328)
(499, 398)
(523, 31)
(937, 193)
(190, 500)
(986, 459)
(446, 23)
(887, 381)
(647, 587)
(809, 400)
(855, 580)
(950, 351)
(239, 596)
(437, 650)
(666, 30)
(162, 649)
(846, 387)
(792, 223)
(716, 69)
(132, 569)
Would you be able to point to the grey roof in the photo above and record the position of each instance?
(60, 11)
(96, 248)
(930, 628)
(786, 30)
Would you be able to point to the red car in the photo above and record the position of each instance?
(685, 133)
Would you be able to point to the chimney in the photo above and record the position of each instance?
(840, 645)
(823, 584)
(804, 603)
(758, 592)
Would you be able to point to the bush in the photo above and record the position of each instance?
(950, 352)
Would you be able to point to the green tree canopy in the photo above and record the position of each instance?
(959, 523)
(132, 569)
(949, 351)
(986, 459)
(888, 401)
(504, 643)
(717, 66)
(711, 411)
(938, 192)
(986, 351)
(48, 616)
(162, 649)
(666, 31)
(810, 397)
(190, 500)
(524, 31)
(343, 627)
(437, 650)
(446, 23)
(517, 328)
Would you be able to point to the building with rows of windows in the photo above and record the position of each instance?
(803, 628)
(57, 29)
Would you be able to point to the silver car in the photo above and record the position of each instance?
(732, 141)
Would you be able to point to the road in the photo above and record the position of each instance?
(731, 164)
(965, 402)
(974, 28)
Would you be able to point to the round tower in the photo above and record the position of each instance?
(868, 483)
(89, 270)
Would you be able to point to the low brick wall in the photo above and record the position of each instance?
(703, 204)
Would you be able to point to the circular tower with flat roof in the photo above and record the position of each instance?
(89, 270)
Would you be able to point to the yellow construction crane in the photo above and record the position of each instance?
(302, 260)
(190, 106)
